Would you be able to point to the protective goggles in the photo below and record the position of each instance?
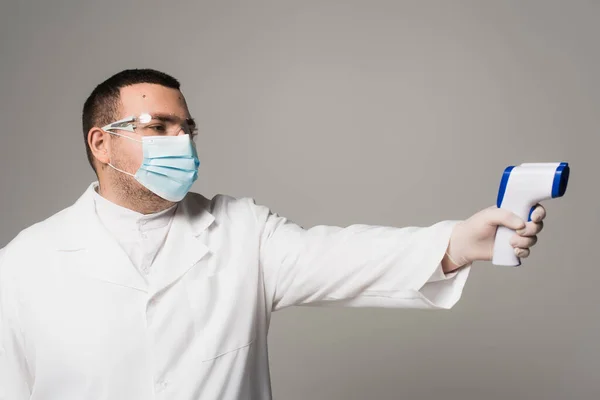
(154, 124)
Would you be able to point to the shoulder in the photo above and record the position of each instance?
(227, 206)
(243, 213)
(40, 232)
(30, 249)
(33, 240)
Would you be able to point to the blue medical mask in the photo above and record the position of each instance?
(170, 165)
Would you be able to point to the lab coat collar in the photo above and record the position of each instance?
(184, 246)
(102, 258)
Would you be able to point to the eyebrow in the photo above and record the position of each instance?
(170, 118)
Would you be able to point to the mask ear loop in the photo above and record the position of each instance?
(128, 128)
(120, 170)
(123, 136)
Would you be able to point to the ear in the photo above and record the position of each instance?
(99, 144)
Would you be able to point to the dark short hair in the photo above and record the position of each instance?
(102, 105)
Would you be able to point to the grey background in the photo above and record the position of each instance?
(339, 112)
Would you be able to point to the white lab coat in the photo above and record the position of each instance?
(77, 320)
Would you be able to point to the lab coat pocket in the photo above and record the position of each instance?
(224, 310)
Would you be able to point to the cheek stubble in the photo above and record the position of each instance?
(129, 188)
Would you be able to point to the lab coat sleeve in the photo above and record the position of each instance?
(356, 266)
(13, 383)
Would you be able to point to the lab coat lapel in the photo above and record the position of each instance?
(184, 247)
(88, 248)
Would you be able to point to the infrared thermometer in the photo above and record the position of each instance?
(521, 188)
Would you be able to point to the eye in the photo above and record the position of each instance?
(158, 128)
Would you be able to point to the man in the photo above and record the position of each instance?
(143, 290)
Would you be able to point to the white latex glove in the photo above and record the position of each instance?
(473, 239)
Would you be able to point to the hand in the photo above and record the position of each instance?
(473, 239)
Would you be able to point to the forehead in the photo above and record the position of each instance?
(151, 98)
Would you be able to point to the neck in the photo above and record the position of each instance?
(147, 203)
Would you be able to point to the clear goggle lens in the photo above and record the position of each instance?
(155, 124)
